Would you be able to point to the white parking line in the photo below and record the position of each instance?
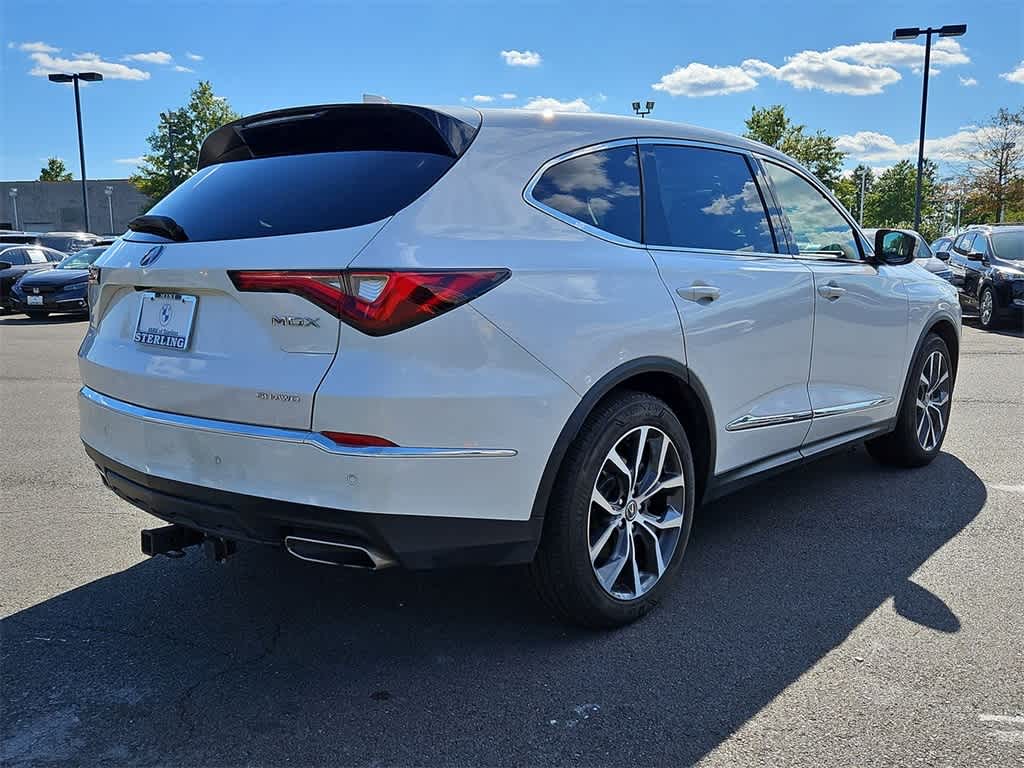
(1007, 488)
(1011, 719)
(1014, 736)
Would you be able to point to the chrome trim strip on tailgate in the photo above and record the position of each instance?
(282, 435)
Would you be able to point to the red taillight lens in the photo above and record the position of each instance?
(359, 441)
(377, 302)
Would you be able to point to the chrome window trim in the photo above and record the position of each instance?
(750, 421)
(282, 435)
(589, 229)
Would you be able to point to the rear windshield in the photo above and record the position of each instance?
(299, 193)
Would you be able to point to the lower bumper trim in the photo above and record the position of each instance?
(415, 541)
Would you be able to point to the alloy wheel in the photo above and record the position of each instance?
(986, 307)
(636, 513)
(933, 393)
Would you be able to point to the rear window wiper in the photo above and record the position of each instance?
(164, 226)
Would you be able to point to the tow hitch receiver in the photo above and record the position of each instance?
(169, 540)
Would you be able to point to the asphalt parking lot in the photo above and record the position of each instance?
(839, 615)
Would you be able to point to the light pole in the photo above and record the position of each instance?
(13, 192)
(89, 77)
(911, 33)
(109, 192)
(863, 177)
(648, 108)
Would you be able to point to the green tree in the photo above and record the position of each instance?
(174, 145)
(997, 167)
(817, 151)
(55, 170)
(890, 203)
(848, 188)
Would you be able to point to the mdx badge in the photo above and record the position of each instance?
(298, 322)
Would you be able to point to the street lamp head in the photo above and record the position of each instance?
(60, 78)
(906, 33)
(13, 192)
(636, 106)
(649, 106)
(952, 30)
(108, 191)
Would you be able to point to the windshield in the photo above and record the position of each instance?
(1009, 245)
(82, 259)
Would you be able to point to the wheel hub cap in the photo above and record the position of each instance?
(636, 514)
(933, 401)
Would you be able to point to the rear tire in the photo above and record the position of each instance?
(620, 513)
(924, 413)
(988, 309)
(36, 314)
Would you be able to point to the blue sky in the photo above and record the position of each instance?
(708, 63)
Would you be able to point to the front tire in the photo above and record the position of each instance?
(620, 514)
(924, 414)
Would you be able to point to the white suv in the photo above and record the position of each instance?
(381, 334)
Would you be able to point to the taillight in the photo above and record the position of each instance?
(377, 302)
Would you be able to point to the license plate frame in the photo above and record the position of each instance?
(34, 301)
(165, 320)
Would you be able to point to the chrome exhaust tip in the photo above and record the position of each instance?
(337, 553)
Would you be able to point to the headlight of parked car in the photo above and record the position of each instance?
(999, 275)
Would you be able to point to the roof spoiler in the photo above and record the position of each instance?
(338, 128)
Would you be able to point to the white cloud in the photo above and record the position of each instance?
(153, 57)
(482, 99)
(872, 147)
(179, 68)
(46, 64)
(860, 69)
(696, 79)
(509, 96)
(35, 47)
(542, 103)
(521, 58)
(967, 82)
(130, 160)
(193, 56)
(1015, 75)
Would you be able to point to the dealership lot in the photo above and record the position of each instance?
(841, 614)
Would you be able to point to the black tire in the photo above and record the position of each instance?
(562, 568)
(36, 314)
(990, 321)
(903, 446)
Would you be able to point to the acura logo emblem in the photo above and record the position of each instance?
(151, 256)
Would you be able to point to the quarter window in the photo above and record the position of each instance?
(703, 198)
(817, 225)
(14, 256)
(601, 189)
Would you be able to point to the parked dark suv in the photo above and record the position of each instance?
(988, 269)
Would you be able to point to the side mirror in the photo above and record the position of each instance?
(5, 265)
(894, 247)
(975, 256)
(942, 255)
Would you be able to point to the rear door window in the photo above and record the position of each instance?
(818, 227)
(600, 189)
(703, 198)
(15, 256)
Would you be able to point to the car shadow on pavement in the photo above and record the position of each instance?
(49, 320)
(267, 660)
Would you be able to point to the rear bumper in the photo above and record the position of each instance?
(425, 506)
(415, 541)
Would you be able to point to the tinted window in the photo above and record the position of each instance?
(817, 225)
(963, 243)
(1008, 245)
(703, 198)
(923, 251)
(600, 188)
(299, 193)
(980, 245)
(14, 256)
(82, 259)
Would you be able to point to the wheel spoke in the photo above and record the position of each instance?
(637, 588)
(671, 519)
(641, 445)
(595, 550)
(676, 481)
(598, 498)
(922, 436)
(656, 544)
(608, 573)
(942, 378)
(620, 465)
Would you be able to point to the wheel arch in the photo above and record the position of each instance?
(944, 327)
(662, 377)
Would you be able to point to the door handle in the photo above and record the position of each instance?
(698, 293)
(831, 291)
